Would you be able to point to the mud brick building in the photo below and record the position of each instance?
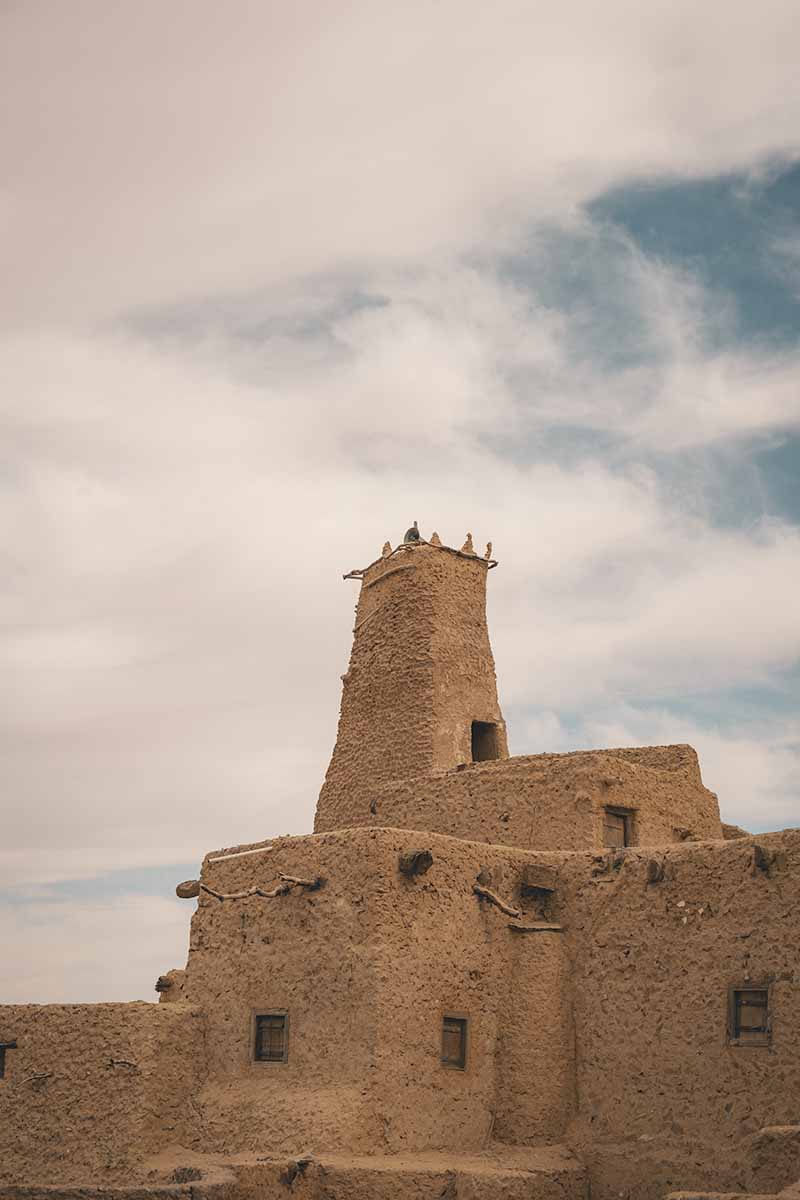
(548, 977)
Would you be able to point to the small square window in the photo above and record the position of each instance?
(748, 1016)
(454, 1042)
(617, 828)
(271, 1037)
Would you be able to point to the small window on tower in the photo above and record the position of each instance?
(484, 741)
(271, 1040)
(748, 1016)
(454, 1042)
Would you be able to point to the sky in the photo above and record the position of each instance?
(280, 279)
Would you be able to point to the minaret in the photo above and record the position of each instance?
(420, 693)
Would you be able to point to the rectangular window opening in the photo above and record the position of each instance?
(3, 1047)
(454, 1042)
(271, 1037)
(617, 828)
(484, 741)
(748, 1016)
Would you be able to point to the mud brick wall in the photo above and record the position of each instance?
(67, 1114)
(551, 801)
(665, 1101)
(366, 967)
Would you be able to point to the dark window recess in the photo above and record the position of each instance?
(271, 1041)
(749, 1023)
(3, 1047)
(454, 1042)
(484, 741)
(617, 828)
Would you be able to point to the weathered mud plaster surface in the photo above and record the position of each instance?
(651, 966)
(501, 1173)
(365, 1074)
(551, 801)
(92, 1088)
(421, 670)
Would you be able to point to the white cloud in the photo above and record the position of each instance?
(79, 952)
(159, 154)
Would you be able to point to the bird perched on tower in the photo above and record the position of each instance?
(412, 534)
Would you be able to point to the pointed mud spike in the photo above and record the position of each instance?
(488, 553)
(468, 547)
(435, 540)
(387, 549)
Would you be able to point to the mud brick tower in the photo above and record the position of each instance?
(420, 693)
(545, 977)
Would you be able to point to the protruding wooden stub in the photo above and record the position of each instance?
(415, 862)
(493, 898)
(188, 889)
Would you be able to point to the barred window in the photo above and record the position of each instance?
(748, 1016)
(271, 1040)
(454, 1042)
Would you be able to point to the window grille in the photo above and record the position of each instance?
(454, 1042)
(748, 1016)
(271, 1037)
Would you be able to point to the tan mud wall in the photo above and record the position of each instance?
(67, 1115)
(545, 1174)
(663, 1098)
(465, 685)
(444, 951)
(549, 801)
(535, 1094)
(366, 967)
(310, 953)
(421, 670)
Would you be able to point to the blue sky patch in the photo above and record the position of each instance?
(729, 231)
